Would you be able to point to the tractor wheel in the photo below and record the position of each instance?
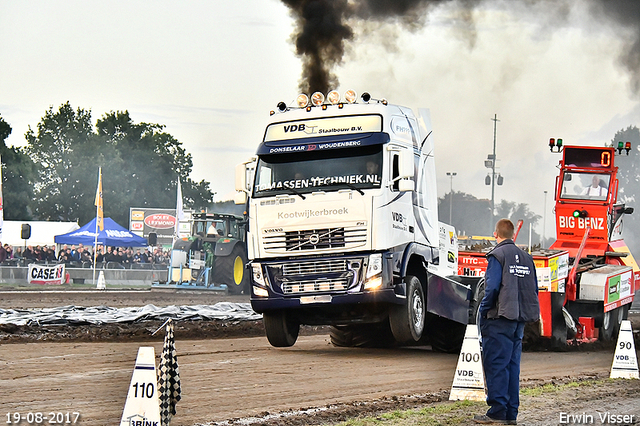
(407, 320)
(230, 270)
(611, 324)
(281, 330)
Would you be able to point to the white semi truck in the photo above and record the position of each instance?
(343, 227)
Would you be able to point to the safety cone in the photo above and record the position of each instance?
(142, 406)
(102, 284)
(468, 381)
(625, 361)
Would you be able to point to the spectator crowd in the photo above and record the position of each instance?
(82, 256)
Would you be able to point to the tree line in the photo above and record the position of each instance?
(55, 175)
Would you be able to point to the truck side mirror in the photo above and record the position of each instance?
(243, 178)
(406, 164)
(240, 197)
(406, 185)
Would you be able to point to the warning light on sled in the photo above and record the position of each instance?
(580, 213)
(553, 143)
(625, 146)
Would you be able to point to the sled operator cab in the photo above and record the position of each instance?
(602, 273)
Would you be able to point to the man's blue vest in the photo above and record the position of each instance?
(518, 296)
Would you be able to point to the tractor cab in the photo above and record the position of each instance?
(213, 226)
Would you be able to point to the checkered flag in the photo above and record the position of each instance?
(168, 377)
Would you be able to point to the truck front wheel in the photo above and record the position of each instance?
(281, 330)
(407, 320)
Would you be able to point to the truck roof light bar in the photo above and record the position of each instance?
(317, 98)
(333, 97)
(350, 96)
(302, 100)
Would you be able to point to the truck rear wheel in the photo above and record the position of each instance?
(446, 335)
(230, 270)
(407, 320)
(362, 335)
(281, 330)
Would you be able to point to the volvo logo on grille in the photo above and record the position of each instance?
(314, 239)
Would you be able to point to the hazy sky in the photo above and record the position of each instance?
(212, 70)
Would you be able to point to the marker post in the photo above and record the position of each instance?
(468, 381)
(625, 360)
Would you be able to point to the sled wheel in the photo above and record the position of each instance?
(611, 324)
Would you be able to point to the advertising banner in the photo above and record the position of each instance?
(162, 222)
(46, 274)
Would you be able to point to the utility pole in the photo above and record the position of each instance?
(493, 172)
(451, 175)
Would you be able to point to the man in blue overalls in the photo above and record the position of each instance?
(510, 300)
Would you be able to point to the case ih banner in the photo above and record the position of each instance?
(144, 221)
(45, 274)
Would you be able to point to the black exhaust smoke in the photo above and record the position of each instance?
(319, 39)
(323, 28)
(625, 14)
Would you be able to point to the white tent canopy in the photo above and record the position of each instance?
(42, 232)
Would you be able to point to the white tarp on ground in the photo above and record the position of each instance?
(42, 232)
(66, 315)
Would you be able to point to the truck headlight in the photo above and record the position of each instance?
(258, 281)
(373, 276)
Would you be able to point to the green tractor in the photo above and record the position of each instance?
(214, 255)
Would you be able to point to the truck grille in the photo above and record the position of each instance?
(320, 267)
(316, 239)
(313, 286)
(316, 276)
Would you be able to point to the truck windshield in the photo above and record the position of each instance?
(310, 171)
(585, 186)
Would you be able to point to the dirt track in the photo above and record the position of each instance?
(231, 378)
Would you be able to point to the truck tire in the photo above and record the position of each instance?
(230, 270)
(281, 331)
(474, 311)
(446, 335)
(611, 324)
(362, 336)
(407, 320)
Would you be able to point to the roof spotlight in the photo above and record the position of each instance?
(333, 97)
(350, 96)
(282, 107)
(302, 100)
(366, 97)
(317, 98)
